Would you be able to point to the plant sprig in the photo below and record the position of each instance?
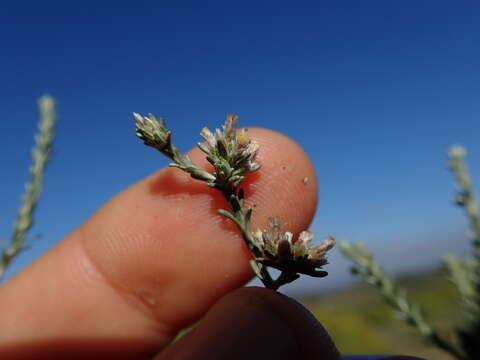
(367, 269)
(40, 155)
(232, 155)
(465, 272)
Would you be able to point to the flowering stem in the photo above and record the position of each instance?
(233, 155)
(241, 217)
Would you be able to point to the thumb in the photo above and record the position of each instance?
(255, 323)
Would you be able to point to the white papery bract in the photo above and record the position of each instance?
(231, 153)
(282, 249)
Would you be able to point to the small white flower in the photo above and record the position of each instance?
(281, 249)
(306, 237)
(300, 247)
(151, 130)
(231, 153)
(229, 129)
(258, 238)
(207, 134)
(243, 138)
(317, 253)
(139, 119)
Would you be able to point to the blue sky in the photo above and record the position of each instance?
(374, 91)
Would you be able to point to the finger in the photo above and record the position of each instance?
(153, 259)
(255, 323)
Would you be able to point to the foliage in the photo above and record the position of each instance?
(463, 272)
(40, 156)
(361, 322)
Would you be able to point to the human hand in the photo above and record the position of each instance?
(157, 258)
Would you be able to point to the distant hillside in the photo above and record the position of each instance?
(360, 322)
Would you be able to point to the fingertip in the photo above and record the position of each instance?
(287, 169)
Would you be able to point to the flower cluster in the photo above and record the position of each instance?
(282, 251)
(231, 154)
(152, 131)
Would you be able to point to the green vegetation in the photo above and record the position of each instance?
(361, 322)
(462, 342)
(40, 157)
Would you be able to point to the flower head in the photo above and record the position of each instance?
(152, 131)
(282, 250)
(232, 154)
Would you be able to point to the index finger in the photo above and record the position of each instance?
(152, 260)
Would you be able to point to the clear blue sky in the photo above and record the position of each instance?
(374, 91)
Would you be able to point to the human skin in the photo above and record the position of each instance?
(158, 257)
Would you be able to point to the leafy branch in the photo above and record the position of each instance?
(233, 155)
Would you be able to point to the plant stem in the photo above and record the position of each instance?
(230, 169)
(367, 269)
(40, 155)
(466, 197)
(471, 268)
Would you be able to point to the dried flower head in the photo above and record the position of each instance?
(232, 154)
(283, 251)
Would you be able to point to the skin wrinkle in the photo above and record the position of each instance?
(114, 238)
(136, 302)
